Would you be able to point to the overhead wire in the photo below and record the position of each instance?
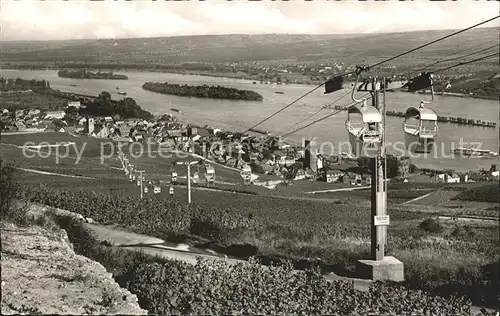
(344, 108)
(371, 66)
(467, 62)
(319, 110)
(429, 64)
(455, 58)
(325, 117)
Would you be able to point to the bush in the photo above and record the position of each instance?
(8, 189)
(7, 186)
(488, 193)
(431, 225)
(462, 231)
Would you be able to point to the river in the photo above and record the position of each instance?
(239, 115)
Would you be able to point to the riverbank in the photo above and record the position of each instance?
(286, 79)
(83, 74)
(463, 95)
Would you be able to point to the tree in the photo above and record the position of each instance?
(105, 95)
(291, 172)
(57, 123)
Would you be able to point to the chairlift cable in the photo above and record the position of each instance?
(439, 70)
(455, 58)
(467, 62)
(325, 117)
(319, 110)
(372, 66)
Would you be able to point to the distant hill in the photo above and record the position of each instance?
(234, 48)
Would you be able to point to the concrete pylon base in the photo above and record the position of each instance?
(388, 269)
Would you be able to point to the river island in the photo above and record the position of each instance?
(83, 74)
(203, 91)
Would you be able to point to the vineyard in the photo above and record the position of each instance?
(338, 233)
(173, 287)
(487, 193)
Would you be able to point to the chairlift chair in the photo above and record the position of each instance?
(157, 189)
(364, 126)
(420, 127)
(174, 175)
(210, 174)
(246, 173)
(196, 177)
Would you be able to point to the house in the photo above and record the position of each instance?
(254, 156)
(203, 132)
(216, 131)
(75, 104)
(352, 178)
(192, 131)
(285, 160)
(108, 119)
(79, 128)
(124, 139)
(54, 114)
(447, 178)
(453, 178)
(333, 176)
(366, 179)
(464, 177)
(174, 133)
(311, 175)
(103, 133)
(20, 125)
(124, 130)
(61, 130)
(5, 111)
(33, 112)
(301, 175)
(282, 145)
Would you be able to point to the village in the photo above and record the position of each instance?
(257, 154)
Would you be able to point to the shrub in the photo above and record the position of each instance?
(8, 189)
(431, 225)
(462, 231)
(7, 186)
(487, 193)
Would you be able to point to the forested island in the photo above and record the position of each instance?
(83, 74)
(204, 91)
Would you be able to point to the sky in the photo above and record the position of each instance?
(82, 19)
